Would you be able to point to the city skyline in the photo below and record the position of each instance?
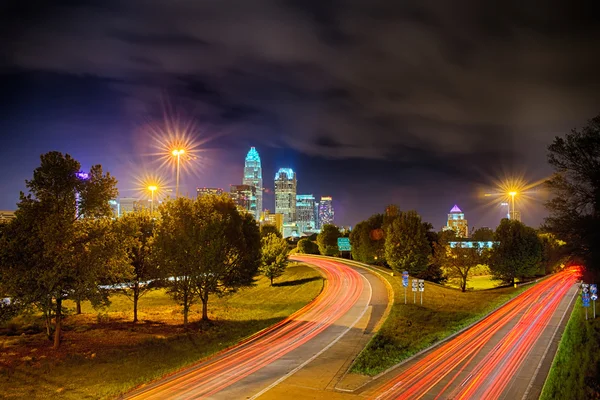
(473, 201)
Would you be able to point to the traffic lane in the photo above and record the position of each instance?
(441, 365)
(342, 289)
(321, 376)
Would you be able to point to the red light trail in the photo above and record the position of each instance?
(490, 376)
(343, 287)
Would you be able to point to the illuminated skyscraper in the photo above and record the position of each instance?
(326, 214)
(253, 177)
(204, 191)
(305, 213)
(244, 197)
(457, 222)
(285, 194)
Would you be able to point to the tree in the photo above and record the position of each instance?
(50, 253)
(327, 240)
(274, 256)
(575, 208)
(305, 246)
(367, 240)
(406, 245)
(459, 261)
(553, 253)
(207, 247)
(517, 253)
(138, 230)
(267, 229)
(483, 234)
(433, 272)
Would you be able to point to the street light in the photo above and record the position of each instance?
(177, 153)
(152, 189)
(512, 199)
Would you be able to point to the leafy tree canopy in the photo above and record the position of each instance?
(327, 240)
(406, 244)
(517, 253)
(575, 207)
(274, 256)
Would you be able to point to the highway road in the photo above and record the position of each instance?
(504, 356)
(269, 357)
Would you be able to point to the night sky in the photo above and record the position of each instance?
(420, 103)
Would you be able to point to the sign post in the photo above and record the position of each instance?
(414, 288)
(421, 288)
(594, 296)
(585, 297)
(405, 283)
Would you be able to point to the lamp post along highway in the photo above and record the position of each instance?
(512, 202)
(152, 188)
(177, 153)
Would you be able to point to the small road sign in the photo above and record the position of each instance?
(414, 285)
(593, 288)
(585, 287)
(405, 278)
(594, 297)
(344, 244)
(421, 285)
(585, 299)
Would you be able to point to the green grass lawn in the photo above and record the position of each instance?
(103, 354)
(477, 283)
(575, 372)
(410, 328)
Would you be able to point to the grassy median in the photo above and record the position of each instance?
(410, 328)
(575, 372)
(103, 354)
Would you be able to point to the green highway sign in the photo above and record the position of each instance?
(344, 244)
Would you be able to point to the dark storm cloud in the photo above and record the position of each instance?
(448, 86)
(451, 78)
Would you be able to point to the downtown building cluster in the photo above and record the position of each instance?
(295, 214)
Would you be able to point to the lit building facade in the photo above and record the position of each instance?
(206, 191)
(6, 216)
(128, 204)
(285, 194)
(305, 213)
(268, 218)
(515, 215)
(326, 213)
(457, 222)
(317, 219)
(244, 197)
(253, 177)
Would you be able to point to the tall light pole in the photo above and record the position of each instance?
(152, 189)
(177, 153)
(512, 200)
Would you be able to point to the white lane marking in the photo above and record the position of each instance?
(299, 367)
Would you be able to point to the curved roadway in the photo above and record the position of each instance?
(270, 356)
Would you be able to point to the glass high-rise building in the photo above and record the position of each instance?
(253, 177)
(305, 213)
(325, 211)
(285, 194)
(244, 197)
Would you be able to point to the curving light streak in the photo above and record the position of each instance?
(343, 288)
(531, 310)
